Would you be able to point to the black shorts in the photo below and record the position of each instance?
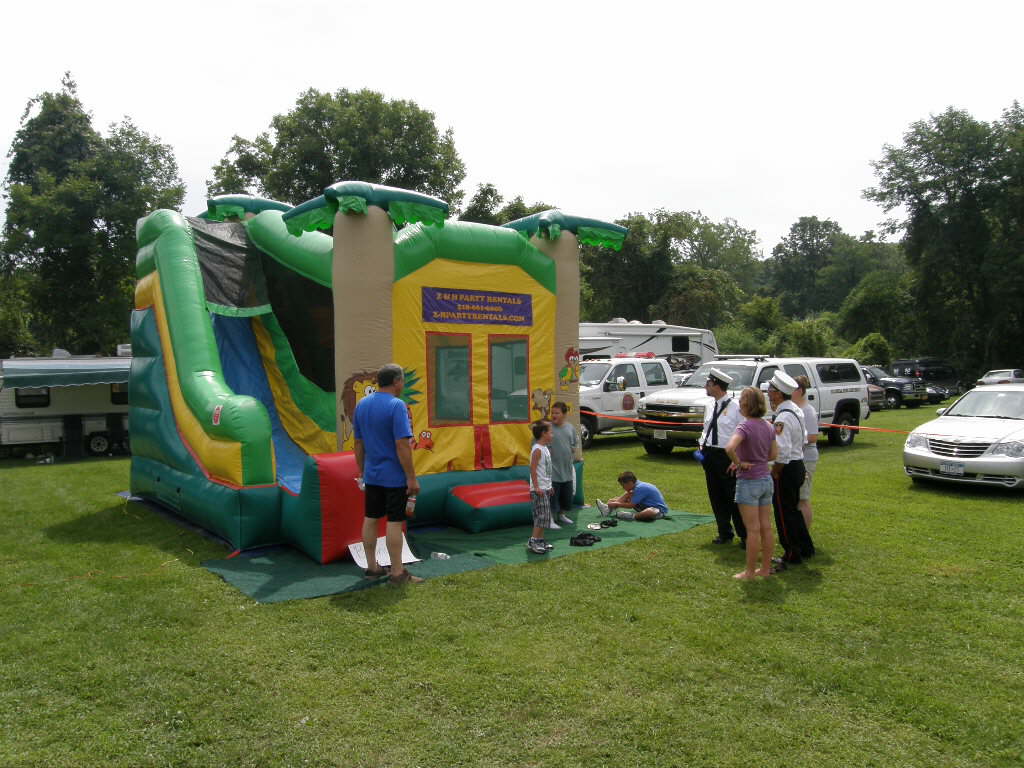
(382, 501)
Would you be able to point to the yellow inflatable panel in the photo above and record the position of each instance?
(513, 307)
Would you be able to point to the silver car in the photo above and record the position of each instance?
(1003, 376)
(977, 440)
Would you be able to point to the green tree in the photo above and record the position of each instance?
(796, 261)
(960, 183)
(675, 265)
(16, 336)
(328, 137)
(720, 245)
(881, 303)
(873, 349)
(762, 314)
(813, 336)
(73, 199)
(483, 206)
(701, 297)
(628, 283)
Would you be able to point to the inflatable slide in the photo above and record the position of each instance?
(255, 334)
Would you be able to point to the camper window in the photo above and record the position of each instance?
(509, 361)
(448, 378)
(119, 394)
(32, 397)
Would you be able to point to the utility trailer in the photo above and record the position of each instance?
(70, 405)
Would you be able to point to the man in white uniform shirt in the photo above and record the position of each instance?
(720, 421)
(788, 470)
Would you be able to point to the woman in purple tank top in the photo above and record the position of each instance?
(751, 447)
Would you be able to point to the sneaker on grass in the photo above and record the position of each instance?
(565, 519)
(547, 544)
(537, 546)
(601, 507)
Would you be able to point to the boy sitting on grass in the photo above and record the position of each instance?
(641, 501)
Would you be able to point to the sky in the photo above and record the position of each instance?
(759, 112)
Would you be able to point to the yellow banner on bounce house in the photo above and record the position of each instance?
(477, 342)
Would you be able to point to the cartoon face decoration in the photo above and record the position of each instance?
(425, 441)
(570, 374)
(356, 387)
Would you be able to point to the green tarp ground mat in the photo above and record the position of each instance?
(508, 545)
(287, 574)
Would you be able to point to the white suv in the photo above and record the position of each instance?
(838, 393)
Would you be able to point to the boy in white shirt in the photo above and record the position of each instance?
(541, 488)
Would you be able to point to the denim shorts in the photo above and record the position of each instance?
(755, 492)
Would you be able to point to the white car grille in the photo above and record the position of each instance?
(957, 450)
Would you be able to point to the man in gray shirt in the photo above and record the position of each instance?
(563, 448)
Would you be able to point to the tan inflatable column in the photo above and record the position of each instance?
(565, 252)
(363, 275)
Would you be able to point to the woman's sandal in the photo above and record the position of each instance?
(380, 573)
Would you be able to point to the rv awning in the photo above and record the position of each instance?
(64, 372)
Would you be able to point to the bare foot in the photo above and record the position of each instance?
(764, 574)
(743, 576)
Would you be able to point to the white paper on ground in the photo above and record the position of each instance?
(356, 550)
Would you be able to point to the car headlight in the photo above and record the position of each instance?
(916, 440)
(1014, 449)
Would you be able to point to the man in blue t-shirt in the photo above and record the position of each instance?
(384, 457)
(641, 501)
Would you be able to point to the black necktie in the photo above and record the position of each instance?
(714, 422)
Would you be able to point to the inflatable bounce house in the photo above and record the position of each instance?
(255, 334)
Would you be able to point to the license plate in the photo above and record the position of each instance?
(949, 468)
(660, 434)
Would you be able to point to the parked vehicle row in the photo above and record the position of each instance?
(838, 392)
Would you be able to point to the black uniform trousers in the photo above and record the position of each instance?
(789, 520)
(722, 493)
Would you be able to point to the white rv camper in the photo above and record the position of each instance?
(682, 346)
(64, 404)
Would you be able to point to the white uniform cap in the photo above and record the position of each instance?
(783, 382)
(721, 376)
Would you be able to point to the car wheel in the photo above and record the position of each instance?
(841, 434)
(588, 428)
(893, 399)
(657, 449)
(99, 444)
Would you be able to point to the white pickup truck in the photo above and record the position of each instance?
(838, 393)
(613, 387)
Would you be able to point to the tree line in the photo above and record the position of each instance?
(950, 284)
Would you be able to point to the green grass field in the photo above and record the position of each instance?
(899, 645)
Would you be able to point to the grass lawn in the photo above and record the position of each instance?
(899, 645)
